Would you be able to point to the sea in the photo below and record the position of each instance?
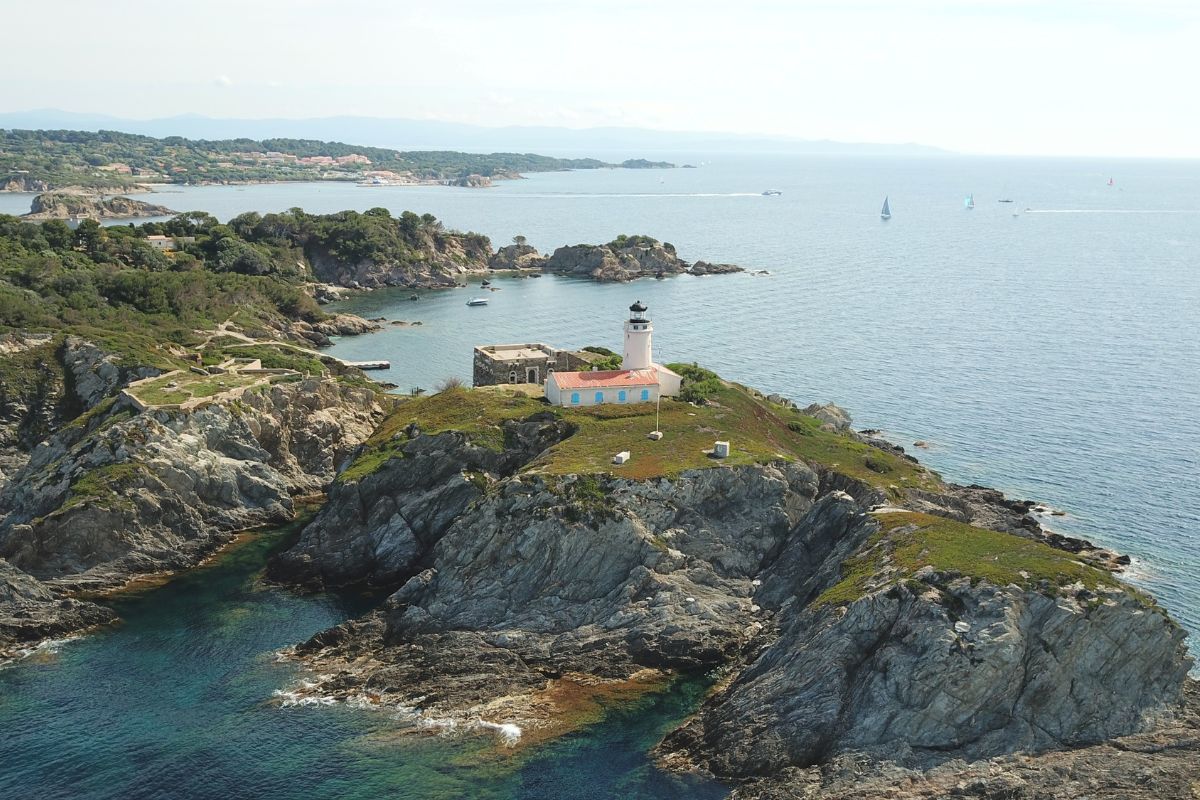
(1048, 346)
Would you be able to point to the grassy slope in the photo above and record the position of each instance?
(907, 542)
(758, 432)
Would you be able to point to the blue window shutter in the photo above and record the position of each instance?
(599, 397)
(645, 394)
(575, 398)
(621, 396)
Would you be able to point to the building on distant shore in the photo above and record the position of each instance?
(639, 380)
(165, 243)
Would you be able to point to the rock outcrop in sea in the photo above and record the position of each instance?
(68, 205)
(626, 258)
(446, 259)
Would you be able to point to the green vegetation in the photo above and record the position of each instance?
(108, 285)
(608, 359)
(758, 432)
(907, 542)
(102, 484)
(699, 384)
(583, 497)
(639, 240)
(178, 387)
(119, 161)
(272, 356)
(476, 413)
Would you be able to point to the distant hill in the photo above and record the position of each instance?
(43, 159)
(410, 134)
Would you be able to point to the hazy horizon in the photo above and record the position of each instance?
(975, 77)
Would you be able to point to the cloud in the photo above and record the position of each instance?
(223, 80)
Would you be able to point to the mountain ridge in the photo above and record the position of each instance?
(413, 134)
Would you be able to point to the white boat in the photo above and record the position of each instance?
(886, 213)
(969, 203)
(771, 193)
(477, 301)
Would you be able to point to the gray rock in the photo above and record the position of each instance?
(890, 676)
(30, 612)
(134, 493)
(829, 413)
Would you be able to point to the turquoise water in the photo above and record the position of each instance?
(177, 703)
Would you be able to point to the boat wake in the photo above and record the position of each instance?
(586, 195)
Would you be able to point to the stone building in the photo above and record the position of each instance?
(523, 363)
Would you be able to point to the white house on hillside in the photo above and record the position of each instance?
(639, 380)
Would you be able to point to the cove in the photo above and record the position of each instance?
(177, 701)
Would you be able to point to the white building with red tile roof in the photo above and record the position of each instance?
(639, 381)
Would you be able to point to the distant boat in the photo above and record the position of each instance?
(1110, 181)
(771, 192)
(1005, 200)
(485, 284)
(886, 213)
(969, 203)
(477, 301)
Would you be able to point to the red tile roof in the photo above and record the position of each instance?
(605, 379)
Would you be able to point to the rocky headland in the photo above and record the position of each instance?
(861, 613)
(70, 205)
(98, 490)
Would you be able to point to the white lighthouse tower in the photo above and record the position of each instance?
(637, 339)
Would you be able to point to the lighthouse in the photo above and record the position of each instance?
(639, 380)
(637, 339)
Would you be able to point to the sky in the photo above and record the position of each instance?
(1066, 77)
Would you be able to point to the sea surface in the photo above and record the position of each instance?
(1049, 347)
(178, 702)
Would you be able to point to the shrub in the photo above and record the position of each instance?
(699, 384)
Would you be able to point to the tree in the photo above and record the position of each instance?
(519, 240)
(89, 235)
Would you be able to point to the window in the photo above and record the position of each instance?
(645, 395)
(574, 398)
(621, 396)
(599, 398)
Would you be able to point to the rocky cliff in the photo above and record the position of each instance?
(22, 183)
(128, 493)
(847, 625)
(61, 205)
(439, 258)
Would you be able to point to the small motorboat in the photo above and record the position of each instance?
(1005, 200)
(485, 284)
(771, 192)
(477, 301)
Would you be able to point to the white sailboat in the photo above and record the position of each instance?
(886, 213)
(969, 203)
